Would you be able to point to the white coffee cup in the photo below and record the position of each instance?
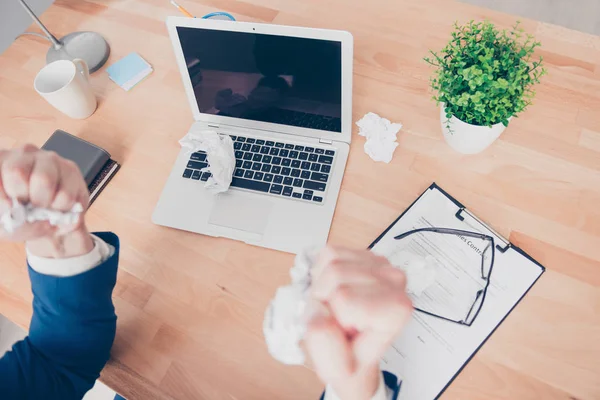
(67, 87)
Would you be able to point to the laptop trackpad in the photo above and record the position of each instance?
(244, 213)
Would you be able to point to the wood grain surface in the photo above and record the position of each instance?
(191, 307)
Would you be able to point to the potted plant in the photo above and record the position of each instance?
(484, 77)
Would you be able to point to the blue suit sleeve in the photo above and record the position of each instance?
(391, 382)
(70, 336)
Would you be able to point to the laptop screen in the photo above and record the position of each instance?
(278, 79)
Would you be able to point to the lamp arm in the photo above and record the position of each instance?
(55, 42)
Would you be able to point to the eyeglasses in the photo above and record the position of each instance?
(463, 263)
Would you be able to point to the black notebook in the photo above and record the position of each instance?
(94, 162)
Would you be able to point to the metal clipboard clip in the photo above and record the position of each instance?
(468, 218)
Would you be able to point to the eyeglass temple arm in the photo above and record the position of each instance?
(447, 231)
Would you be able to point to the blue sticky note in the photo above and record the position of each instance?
(129, 71)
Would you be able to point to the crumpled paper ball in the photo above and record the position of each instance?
(420, 271)
(288, 313)
(381, 136)
(20, 214)
(219, 154)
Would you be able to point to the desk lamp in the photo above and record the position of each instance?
(89, 46)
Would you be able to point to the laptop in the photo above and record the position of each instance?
(284, 95)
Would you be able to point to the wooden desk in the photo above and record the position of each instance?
(191, 307)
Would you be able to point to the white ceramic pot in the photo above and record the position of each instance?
(466, 138)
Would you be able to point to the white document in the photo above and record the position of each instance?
(431, 351)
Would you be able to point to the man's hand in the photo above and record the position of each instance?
(45, 180)
(364, 307)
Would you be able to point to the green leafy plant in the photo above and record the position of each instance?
(485, 76)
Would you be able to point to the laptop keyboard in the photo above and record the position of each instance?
(273, 167)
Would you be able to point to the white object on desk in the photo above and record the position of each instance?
(420, 271)
(262, 213)
(219, 155)
(65, 85)
(467, 138)
(286, 317)
(430, 352)
(381, 136)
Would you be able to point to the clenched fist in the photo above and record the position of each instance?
(44, 180)
(366, 306)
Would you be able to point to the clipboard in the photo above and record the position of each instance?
(503, 246)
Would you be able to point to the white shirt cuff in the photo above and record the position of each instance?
(65, 267)
(382, 392)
